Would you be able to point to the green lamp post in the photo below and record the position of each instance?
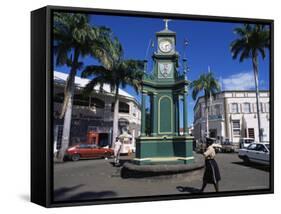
(165, 144)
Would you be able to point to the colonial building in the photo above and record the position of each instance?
(94, 112)
(233, 115)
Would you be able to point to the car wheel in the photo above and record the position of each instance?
(246, 159)
(106, 155)
(75, 157)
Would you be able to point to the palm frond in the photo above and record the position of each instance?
(251, 37)
(93, 70)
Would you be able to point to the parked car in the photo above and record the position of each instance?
(245, 142)
(256, 152)
(201, 146)
(85, 151)
(227, 146)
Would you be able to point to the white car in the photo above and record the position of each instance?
(256, 152)
(245, 142)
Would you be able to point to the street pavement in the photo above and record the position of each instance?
(98, 178)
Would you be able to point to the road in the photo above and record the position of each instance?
(94, 179)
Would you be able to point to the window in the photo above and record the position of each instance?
(93, 146)
(234, 108)
(252, 146)
(261, 107)
(213, 133)
(251, 133)
(266, 107)
(236, 132)
(246, 108)
(236, 124)
(80, 100)
(58, 98)
(236, 127)
(123, 107)
(217, 110)
(202, 111)
(97, 103)
(58, 136)
(261, 148)
(254, 107)
(84, 146)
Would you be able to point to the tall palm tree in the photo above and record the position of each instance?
(253, 40)
(75, 38)
(209, 85)
(116, 72)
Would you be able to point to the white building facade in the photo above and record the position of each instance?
(94, 112)
(233, 115)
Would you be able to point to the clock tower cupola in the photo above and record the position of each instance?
(165, 58)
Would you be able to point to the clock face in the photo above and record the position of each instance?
(165, 45)
(165, 70)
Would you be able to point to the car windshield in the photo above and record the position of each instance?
(267, 146)
(252, 146)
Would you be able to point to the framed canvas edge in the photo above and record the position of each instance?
(48, 92)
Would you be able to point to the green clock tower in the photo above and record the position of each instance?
(166, 88)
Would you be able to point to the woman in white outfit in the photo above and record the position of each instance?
(117, 149)
(212, 172)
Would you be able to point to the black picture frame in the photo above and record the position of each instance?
(41, 105)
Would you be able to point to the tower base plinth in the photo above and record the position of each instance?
(164, 150)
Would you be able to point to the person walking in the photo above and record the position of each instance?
(212, 172)
(117, 149)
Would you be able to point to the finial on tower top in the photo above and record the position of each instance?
(166, 23)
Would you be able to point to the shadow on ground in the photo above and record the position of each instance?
(62, 194)
(92, 195)
(62, 191)
(253, 165)
(188, 189)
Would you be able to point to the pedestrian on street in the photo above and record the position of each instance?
(212, 173)
(117, 149)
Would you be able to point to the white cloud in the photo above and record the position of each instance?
(239, 81)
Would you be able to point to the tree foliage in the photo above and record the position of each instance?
(75, 38)
(206, 83)
(252, 40)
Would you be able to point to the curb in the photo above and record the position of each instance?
(130, 170)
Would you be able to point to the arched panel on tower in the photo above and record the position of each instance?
(165, 117)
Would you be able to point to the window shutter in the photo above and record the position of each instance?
(261, 107)
(239, 107)
(254, 107)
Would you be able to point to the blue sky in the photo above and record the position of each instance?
(208, 46)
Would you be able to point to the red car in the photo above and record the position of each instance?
(85, 151)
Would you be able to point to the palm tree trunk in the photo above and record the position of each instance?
(255, 67)
(207, 116)
(69, 92)
(115, 116)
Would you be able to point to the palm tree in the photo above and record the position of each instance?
(253, 40)
(74, 38)
(116, 72)
(209, 85)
